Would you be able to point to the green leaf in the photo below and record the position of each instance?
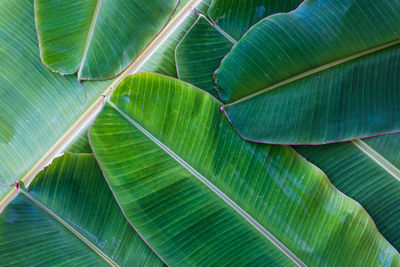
(199, 54)
(236, 17)
(80, 144)
(204, 46)
(326, 72)
(368, 171)
(100, 38)
(163, 59)
(197, 192)
(36, 106)
(31, 235)
(69, 216)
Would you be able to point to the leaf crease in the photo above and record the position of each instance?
(378, 158)
(66, 225)
(314, 71)
(211, 186)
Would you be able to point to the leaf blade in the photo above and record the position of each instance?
(93, 216)
(313, 66)
(106, 35)
(256, 177)
(370, 179)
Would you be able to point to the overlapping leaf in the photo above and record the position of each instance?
(36, 106)
(236, 17)
(199, 54)
(100, 38)
(160, 141)
(328, 71)
(163, 59)
(368, 171)
(215, 32)
(69, 216)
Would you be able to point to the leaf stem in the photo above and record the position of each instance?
(95, 108)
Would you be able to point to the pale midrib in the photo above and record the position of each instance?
(93, 110)
(90, 35)
(314, 71)
(219, 29)
(70, 228)
(222, 32)
(211, 186)
(378, 158)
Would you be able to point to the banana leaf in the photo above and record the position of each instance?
(40, 110)
(328, 71)
(215, 32)
(366, 170)
(97, 38)
(199, 54)
(236, 17)
(163, 59)
(37, 106)
(68, 216)
(199, 194)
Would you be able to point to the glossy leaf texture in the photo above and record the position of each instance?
(199, 54)
(80, 144)
(163, 59)
(328, 71)
(36, 106)
(236, 17)
(368, 171)
(73, 189)
(100, 38)
(204, 46)
(171, 159)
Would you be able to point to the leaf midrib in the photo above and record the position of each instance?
(90, 35)
(219, 29)
(95, 108)
(313, 71)
(70, 228)
(378, 158)
(212, 187)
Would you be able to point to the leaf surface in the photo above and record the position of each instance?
(98, 37)
(171, 159)
(69, 216)
(236, 17)
(199, 54)
(368, 171)
(163, 59)
(204, 46)
(328, 71)
(36, 106)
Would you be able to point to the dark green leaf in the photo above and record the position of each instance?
(199, 54)
(36, 106)
(328, 71)
(100, 38)
(161, 140)
(236, 17)
(368, 171)
(72, 189)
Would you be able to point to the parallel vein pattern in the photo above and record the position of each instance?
(328, 71)
(183, 219)
(36, 106)
(199, 54)
(51, 244)
(98, 37)
(368, 173)
(69, 216)
(236, 17)
(208, 41)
